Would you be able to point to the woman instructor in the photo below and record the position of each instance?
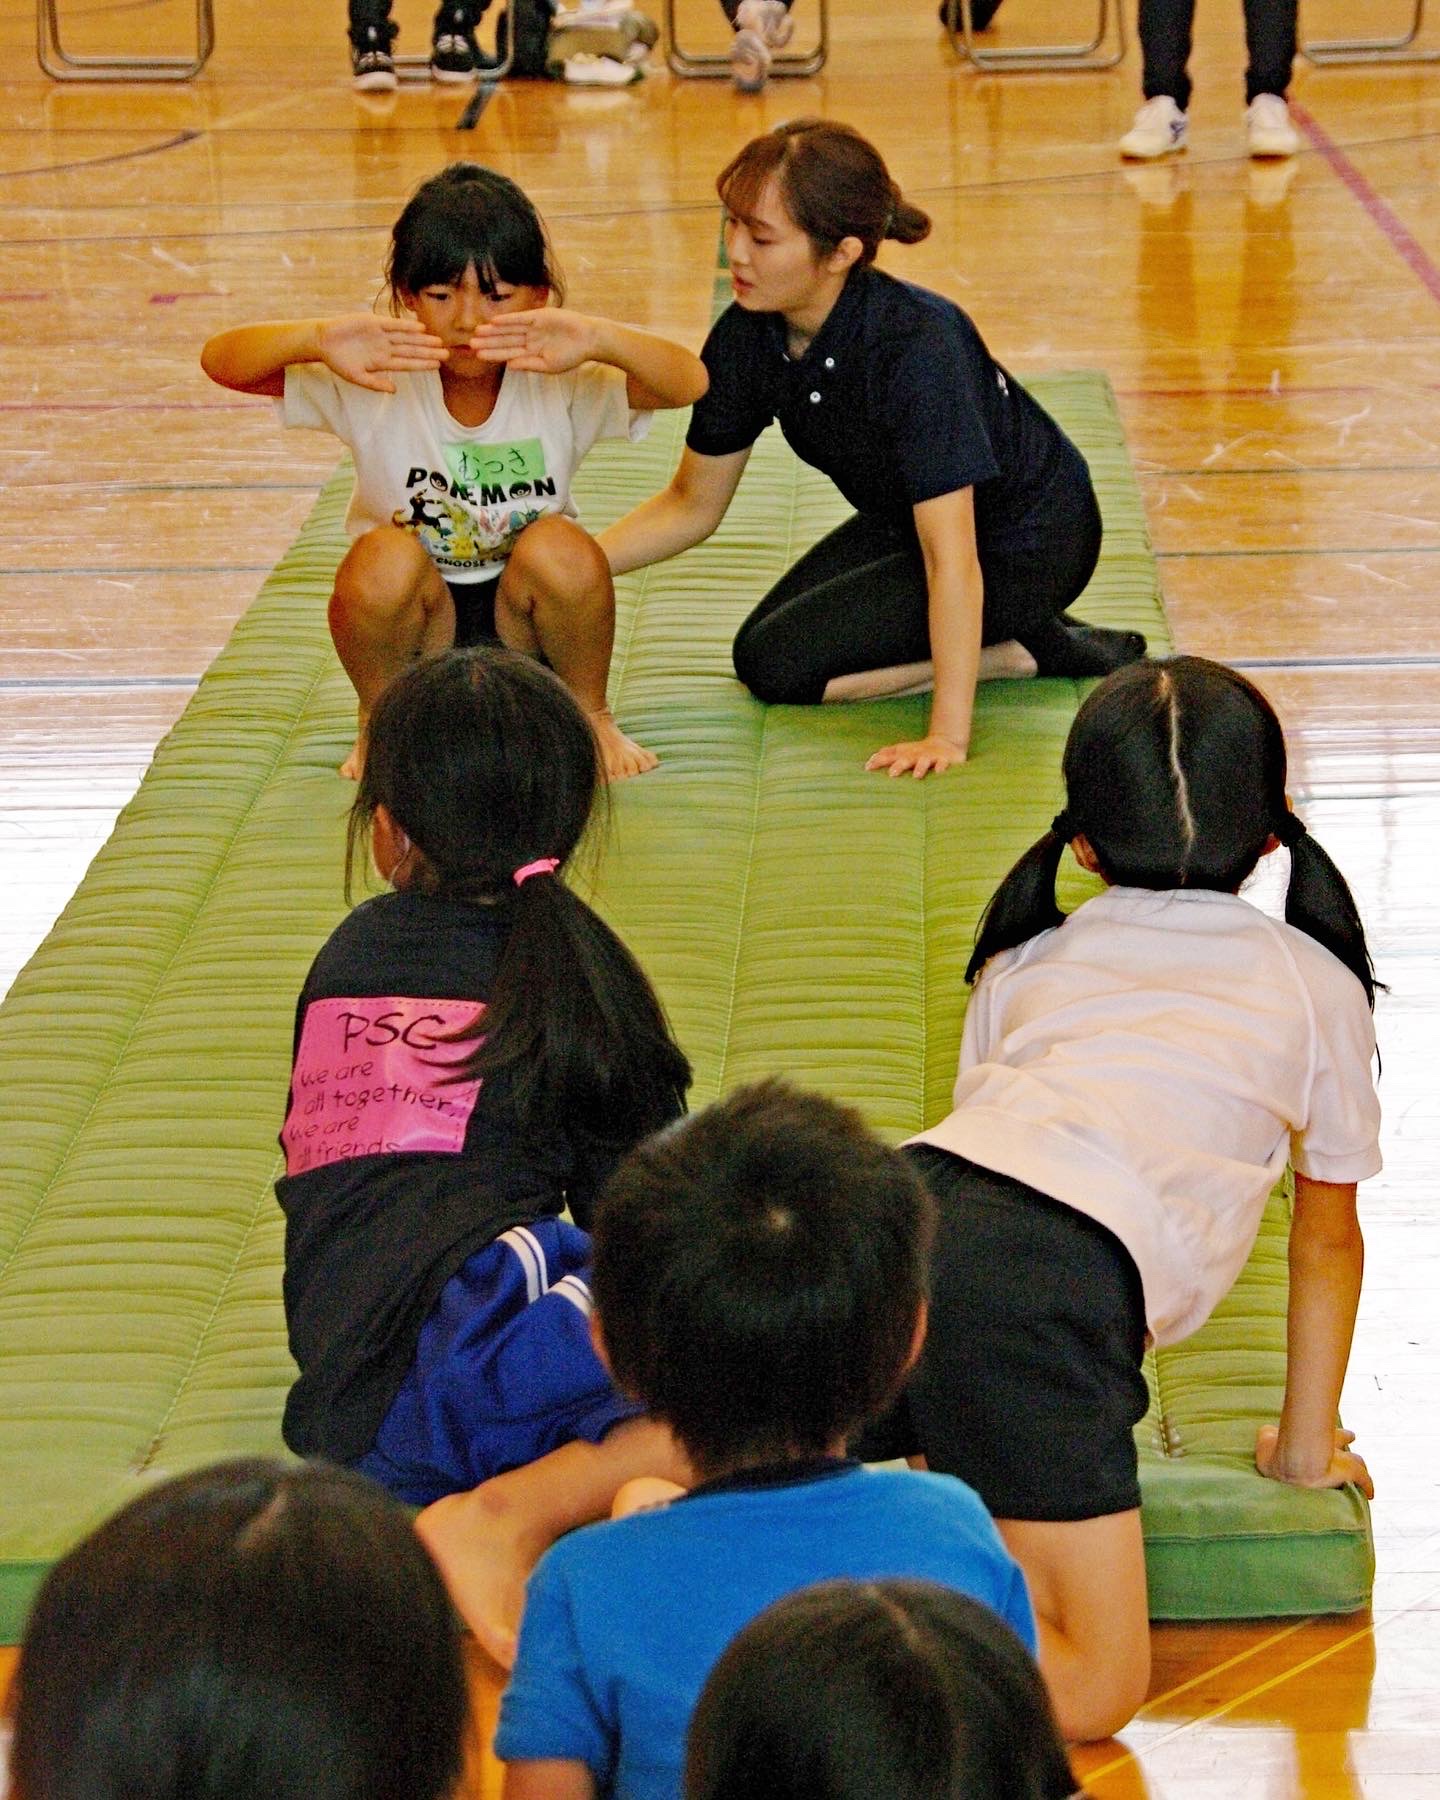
(976, 523)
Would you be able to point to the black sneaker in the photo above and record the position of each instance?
(372, 64)
(454, 55)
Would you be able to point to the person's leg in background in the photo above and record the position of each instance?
(761, 28)
(1166, 28)
(1270, 46)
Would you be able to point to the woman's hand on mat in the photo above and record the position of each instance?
(365, 348)
(932, 755)
(1273, 1459)
(548, 340)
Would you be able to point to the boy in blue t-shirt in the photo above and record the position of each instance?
(759, 1280)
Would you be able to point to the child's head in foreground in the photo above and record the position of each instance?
(252, 1631)
(759, 1276)
(1175, 778)
(854, 1690)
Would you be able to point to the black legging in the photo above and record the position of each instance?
(858, 600)
(1165, 33)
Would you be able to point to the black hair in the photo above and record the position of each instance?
(255, 1630)
(485, 761)
(854, 1690)
(465, 217)
(833, 182)
(1175, 772)
(759, 1272)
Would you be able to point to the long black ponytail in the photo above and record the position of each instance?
(487, 764)
(1175, 773)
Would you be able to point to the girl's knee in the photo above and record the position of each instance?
(384, 572)
(556, 557)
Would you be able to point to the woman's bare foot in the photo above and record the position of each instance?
(485, 1548)
(621, 755)
(1007, 661)
(353, 766)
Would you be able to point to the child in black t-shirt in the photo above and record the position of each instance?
(473, 1052)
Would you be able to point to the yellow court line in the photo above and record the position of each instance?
(1372, 1628)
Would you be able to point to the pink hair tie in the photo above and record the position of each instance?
(543, 865)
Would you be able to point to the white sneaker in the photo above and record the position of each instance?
(1268, 128)
(1159, 130)
(769, 19)
(749, 62)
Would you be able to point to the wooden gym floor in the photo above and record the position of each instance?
(1273, 333)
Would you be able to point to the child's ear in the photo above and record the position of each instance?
(389, 846)
(1084, 853)
(917, 1341)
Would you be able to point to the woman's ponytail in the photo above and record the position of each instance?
(1024, 904)
(1318, 902)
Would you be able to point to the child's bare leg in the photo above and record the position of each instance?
(557, 598)
(389, 607)
(1087, 1584)
(998, 662)
(486, 1542)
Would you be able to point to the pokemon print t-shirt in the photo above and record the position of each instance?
(466, 491)
(398, 1166)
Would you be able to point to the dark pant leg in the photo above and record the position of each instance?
(1165, 33)
(858, 600)
(1026, 592)
(1270, 45)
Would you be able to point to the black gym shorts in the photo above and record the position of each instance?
(1030, 1384)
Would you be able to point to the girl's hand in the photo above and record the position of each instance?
(932, 755)
(362, 347)
(1345, 1465)
(547, 340)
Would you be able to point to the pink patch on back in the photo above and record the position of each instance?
(370, 1079)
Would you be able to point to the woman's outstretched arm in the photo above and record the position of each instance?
(682, 514)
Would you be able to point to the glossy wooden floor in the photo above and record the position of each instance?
(1274, 336)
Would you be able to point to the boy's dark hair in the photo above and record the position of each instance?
(1175, 771)
(486, 762)
(854, 1690)
(252, 1631)
(759, 1270)
(470, 216)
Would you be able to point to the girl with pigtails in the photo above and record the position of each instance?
(474, 1051)
(976, 524)
(1133, 1079)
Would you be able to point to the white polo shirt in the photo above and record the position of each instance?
(466, 491)
(1152, 1062)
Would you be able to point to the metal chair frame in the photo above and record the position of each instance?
(60, 65)
(1056, 58)
(1331, 52)
(715, 67)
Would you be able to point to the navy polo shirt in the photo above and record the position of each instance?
(896, 399)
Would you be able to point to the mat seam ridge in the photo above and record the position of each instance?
(102, 1086)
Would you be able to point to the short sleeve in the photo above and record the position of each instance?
(926, 406)
(313, 400)
(600, 409)
(734, 410)
(1340, 1140)
(549, 1710)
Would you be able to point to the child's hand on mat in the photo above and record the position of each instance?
(932, 755)
(1272, 1460)
(361, 347)
(548, 340)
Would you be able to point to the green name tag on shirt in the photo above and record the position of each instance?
(496, 465)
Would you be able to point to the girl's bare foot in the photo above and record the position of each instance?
(621, 755)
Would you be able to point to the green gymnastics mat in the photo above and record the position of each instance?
(797, 914)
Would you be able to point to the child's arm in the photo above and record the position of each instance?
(359, 347)
(1327, 1256)
(548, 1781)
(550, 339)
